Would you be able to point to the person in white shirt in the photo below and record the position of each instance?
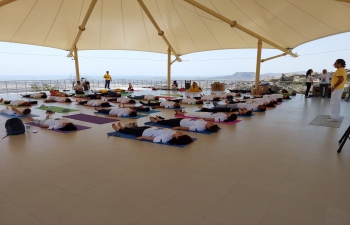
(324, 83)
(155, 134)
(309, 82)
(57, 99)
(207, 116)
(94, 103)
(35, 95)
(208, 97)
(245, 108)
(118, 112)
(188, 100)
(187, 124)
(16, 102)
(54, 124)
(13, 111)
(78, 88)
(165, 104)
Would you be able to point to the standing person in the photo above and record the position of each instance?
(108, 79)
(337, 87)
(324, 83)
(309, 82)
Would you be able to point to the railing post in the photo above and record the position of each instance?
(25, 85)
(16, 86)
(7, 91)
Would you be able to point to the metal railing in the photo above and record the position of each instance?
(17, 86)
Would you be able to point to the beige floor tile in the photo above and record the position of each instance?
(162, 189)
(23, 187)
(230, 172)
(170, 215)
(13, 175)
(336, 217)
(40, 200)
(105, 195)
(314, 194)
(339, 183)
(90, 163)
(298, 210)
(11, 213)
(60, 174)
(134, 207)
(3, 199)
(273, 219)
(271, 182)
(232, 213)
(29, 220)
(214, 185)
(252, 196)
(81, 183)
(66, 212)
(207, 222)
(310, 178)
(184, 175)
(43, 166)
(157, 168)
(102, 217)
(195, 201)
(111, 170)
(135, 179)
(339, 200)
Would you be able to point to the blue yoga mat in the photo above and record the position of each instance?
(20, 117)
(133, 137)
(240, 115)
(161, 125)
(129, 117)
(149, 112)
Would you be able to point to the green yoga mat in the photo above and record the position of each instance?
(57, 109)
(125, 94)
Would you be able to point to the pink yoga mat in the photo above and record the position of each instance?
(231, 122)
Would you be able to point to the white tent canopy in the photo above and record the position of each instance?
(124, 24)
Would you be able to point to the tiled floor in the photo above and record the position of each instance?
(271, 169)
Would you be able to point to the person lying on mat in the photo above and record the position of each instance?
(223, 95)
(187, 124)
(188, 100)
(137, 108)
(155, 134)
(58, 93)
(227, 110)
(54, 124)
(57, 99)
(35, 95)
(13, 111)
(145, 97)
(122, 100)
(16, 102)
(208, 97)
(166, 104)
(93, 103)
(248, 106)
(216, 117)
(118, 112)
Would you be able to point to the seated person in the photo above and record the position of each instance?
(166, 104)
(194, 88)
(130, 88)
(13, 111)
(16, 102)
(85, 84)
(174, 85)
(236, 111)
(188, 100)
(58, 93)
(137, 108)
(217, 117)
(187, 124)
(248, 106)
(155, 134)
(94, 103)
(118, 112)
(78, 88)
(122, 100)
(36, 95)
(57, 99)
(54, 124)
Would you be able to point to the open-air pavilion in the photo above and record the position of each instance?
(272, 168)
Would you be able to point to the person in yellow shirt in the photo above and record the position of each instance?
(337, 87)
(108, 79)
(194, 88)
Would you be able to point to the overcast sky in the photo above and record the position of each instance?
(19, 62)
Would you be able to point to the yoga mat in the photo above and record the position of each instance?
(20, 117)
(56, 109)
(20, 106)
(124, 94)
(321, 120)
(150, 112)
(230, 123)
(91, 119)
(79, 128)
(129, 117)
(237, 115)
(133, 137)
(161, 125)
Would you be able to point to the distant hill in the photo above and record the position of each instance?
(251, 75)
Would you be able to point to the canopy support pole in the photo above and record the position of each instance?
(82, 26)
(258, 63)
(77, 74)
(236, 25)
(5, 2)
(273, 57)
(160, 32)
(169, 68)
